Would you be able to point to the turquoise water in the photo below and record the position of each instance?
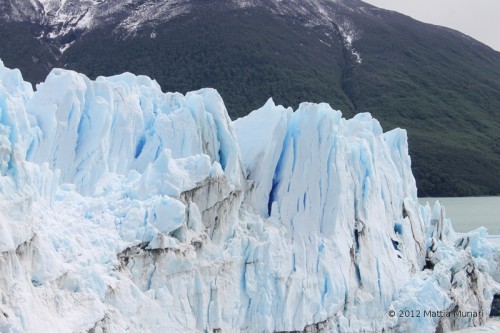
(469, 213)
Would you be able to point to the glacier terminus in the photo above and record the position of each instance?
(127, 209)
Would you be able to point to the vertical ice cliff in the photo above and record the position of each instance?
(15, 199)
(126, 208)
(340, 189)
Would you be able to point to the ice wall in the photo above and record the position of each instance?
(341, 189)
(14, 93)
(89, 129)
(126, 208)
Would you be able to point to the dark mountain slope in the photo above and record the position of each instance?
(21, 50)
(440, 85)
(444, 88)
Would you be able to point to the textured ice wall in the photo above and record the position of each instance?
(89, 129)
(342, 190)
(15, 201)
(94, 170)
(126, 208)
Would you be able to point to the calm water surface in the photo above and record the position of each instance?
(469, 213)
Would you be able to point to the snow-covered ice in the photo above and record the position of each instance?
(123, 208)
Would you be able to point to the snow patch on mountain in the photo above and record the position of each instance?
(349, 35)
(123, 207)
(154, 11)
(64, 20)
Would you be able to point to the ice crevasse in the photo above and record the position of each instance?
(123, 208)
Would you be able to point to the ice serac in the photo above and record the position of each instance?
(126, 208)
(125, 123)
(338, 189)
(260, 136)
(15, 201)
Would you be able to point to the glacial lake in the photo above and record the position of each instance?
(469, 213)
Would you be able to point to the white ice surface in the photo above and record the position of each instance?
(492, 325)
(126, 208)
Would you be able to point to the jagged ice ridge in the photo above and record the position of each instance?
(126, 208)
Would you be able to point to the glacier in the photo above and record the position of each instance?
(124, 208)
